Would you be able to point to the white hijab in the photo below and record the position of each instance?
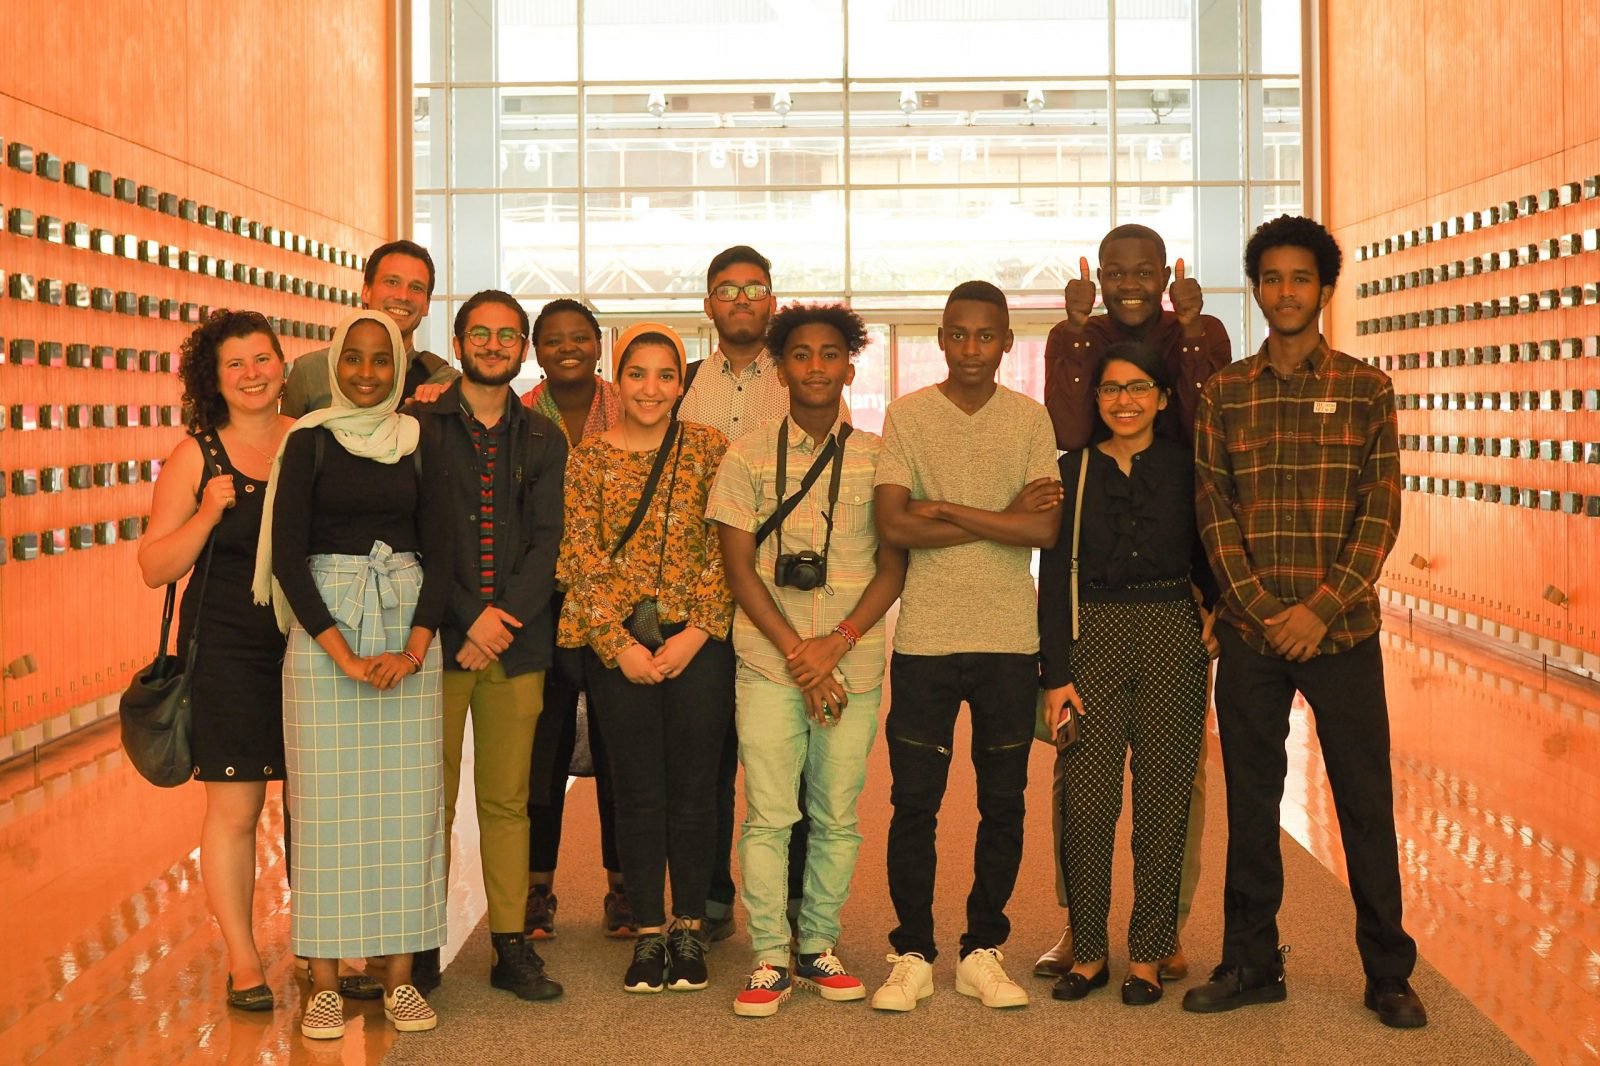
(378, 433)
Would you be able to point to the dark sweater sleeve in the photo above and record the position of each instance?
(291, 533)
(434, 530)
(1070, 357)
(1055, 588)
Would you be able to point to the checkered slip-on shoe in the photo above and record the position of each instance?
(409, 1012)
(324, 1016)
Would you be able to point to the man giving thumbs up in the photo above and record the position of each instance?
(1133, 272)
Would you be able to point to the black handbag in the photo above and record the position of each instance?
(155, 709)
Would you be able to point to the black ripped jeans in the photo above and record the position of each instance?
(926, 693)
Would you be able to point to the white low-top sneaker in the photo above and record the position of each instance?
(910, 981)
(980, 975)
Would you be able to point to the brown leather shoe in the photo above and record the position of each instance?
(1174, 967)
(1056, 962)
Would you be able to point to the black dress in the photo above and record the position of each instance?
(237, 732)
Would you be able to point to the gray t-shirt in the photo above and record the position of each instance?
(976, 597)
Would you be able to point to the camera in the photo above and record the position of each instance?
(800, 570)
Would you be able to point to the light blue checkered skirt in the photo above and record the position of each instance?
(364, 773)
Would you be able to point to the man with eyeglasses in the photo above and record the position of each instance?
(398, 280)
(504, 464)
(735, 389)
(1133, 274)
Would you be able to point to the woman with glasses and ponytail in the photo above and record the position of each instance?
(1124, 640)
(647, 596)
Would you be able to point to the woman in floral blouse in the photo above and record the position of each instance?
(654, 611)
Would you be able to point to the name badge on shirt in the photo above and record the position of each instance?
(1324, 407)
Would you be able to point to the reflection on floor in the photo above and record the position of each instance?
(111, 956)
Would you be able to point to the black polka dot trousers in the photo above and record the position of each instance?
(1141, 674)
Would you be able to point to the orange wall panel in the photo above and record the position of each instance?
(278, 112)
(1463, 119)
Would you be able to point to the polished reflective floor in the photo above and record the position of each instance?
(111, 956)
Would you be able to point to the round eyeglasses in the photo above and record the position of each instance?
(505, 338)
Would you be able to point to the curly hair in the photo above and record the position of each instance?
(1294, 231)
(841, 318)
(203, 405)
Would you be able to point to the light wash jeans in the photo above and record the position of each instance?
(776, 743)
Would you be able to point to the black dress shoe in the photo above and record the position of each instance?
(1397, 1005)
(1232, 987)
(426, 975)
(1137, 992)
(1072, 985)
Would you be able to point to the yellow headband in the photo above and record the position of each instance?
(636, 330)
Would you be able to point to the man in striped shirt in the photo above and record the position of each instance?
(1298, 493)
(503, 465)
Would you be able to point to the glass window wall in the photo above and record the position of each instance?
(878, 152)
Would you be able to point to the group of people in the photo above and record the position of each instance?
(688, 568)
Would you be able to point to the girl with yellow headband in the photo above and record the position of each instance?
(648, 598)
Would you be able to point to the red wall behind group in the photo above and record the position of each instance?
(279, 111)
(1435, 109)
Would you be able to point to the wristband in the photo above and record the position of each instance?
(413, 660)
(848, 632)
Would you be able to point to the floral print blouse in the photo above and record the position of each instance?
(603, 484)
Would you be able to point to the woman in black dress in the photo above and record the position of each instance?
(214, 482)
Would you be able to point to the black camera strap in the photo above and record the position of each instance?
(834, 452)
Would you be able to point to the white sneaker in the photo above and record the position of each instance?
(979, 975)
(910, 981)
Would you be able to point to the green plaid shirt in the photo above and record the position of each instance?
(1298, 491)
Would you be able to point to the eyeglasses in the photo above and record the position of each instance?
(506, 337)
(1138, 390)
(729, 292)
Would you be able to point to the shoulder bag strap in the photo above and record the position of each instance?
(674, 432)
(1077, 529)
(210, 469)
(835, 447)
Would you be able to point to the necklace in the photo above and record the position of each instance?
(268, 456)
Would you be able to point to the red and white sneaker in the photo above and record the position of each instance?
(766, 990)
(826, 975)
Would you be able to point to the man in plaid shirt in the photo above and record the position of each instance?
(1298, 490)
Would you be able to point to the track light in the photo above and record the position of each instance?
(1555, 596)
(908, 101)
(782, 103)
(657, 104)
(1035, 100)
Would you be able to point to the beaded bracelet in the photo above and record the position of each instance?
(848, 632)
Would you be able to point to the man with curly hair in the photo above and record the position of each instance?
(793, 503)
(1297, 476)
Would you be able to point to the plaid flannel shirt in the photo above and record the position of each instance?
(1298, 491)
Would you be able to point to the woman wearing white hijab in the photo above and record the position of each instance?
(354, 556)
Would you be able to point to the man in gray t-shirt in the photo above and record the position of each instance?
(967, 481)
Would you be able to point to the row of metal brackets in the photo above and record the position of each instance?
(1563, 247)
(22, 222)
(53, 293)
(29, 481)
(22, 157)
(26, 547)
(1572, 503)
(1521, 304)
(1497, 214)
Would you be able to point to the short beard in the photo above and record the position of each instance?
(470, 371)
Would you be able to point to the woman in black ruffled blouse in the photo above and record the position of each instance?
(1136, 671)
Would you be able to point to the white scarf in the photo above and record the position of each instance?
(377, 433)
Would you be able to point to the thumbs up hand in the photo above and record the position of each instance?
(1080, 296)
(1187, 300)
